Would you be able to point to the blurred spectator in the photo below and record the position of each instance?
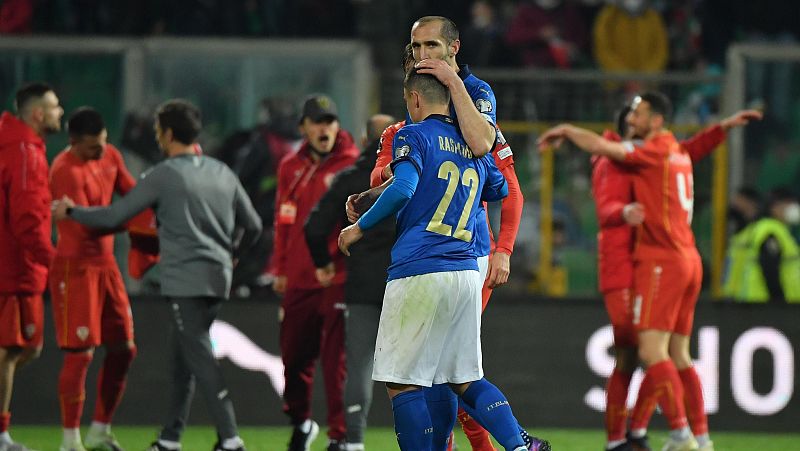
(16, 16)
(772, 261)
(547, 33)
(684, 31)
(254, 155)
(743, 211)
(630, 36)
(481, 39)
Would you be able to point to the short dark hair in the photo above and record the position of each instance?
(449, 30)
(85, 121)
(427, 85)
(659, 104)
(182, 118)
(30, 92)
(622, 120)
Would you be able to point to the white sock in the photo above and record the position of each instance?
(5, 437)
(305, 426)
(72, 435)
(702, 439)
(232, 443)
(638, 433)
(169, 444)
(100, 428)
(680, 435)
(614, 443)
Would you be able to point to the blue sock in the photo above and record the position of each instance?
(491, 409)
(443, 407)
(476, 417)
(412, 422)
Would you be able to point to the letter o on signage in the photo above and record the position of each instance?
(774, 342)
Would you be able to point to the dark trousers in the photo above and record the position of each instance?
(313, 328)
(362, 330)
(194, 364)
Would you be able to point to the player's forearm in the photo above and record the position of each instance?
(394, 197)
(510, 213)
(610, 213)
(595, 144)
(119, 212)
(479, 134)
(704, 142)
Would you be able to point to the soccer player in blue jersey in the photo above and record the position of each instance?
(429, 331)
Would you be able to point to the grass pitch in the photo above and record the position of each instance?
(133, 438)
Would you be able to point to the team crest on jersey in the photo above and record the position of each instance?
(82, 332)
(30, 330)
(402, 151)
(483, 105)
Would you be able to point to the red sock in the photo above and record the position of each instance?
(662, 386)
(5, 421)
(478, 436)
(693, 399)
(111, 383)
(71, 387)
(616, 408)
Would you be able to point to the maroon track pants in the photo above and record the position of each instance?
(312, 328)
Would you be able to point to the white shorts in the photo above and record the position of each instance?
(429, 331)
(483, 268)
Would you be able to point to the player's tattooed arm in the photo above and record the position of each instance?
(359, 203)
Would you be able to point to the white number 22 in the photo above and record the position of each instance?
(449, 171)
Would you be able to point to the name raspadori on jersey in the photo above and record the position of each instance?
(448, 144)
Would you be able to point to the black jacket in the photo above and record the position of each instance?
(370, 257)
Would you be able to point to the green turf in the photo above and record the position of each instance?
(46, 438)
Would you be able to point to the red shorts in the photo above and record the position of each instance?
(90, 304)
(620, 312)
(21, 320)
(666, 294)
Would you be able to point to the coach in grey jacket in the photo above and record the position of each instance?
(204, 219)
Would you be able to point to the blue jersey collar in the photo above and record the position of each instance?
(441, 118)
(463, 71)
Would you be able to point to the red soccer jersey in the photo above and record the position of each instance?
(88, 183)
(664, 185)
(612, 187)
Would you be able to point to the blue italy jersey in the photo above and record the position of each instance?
(437, 228)
(483, 97)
